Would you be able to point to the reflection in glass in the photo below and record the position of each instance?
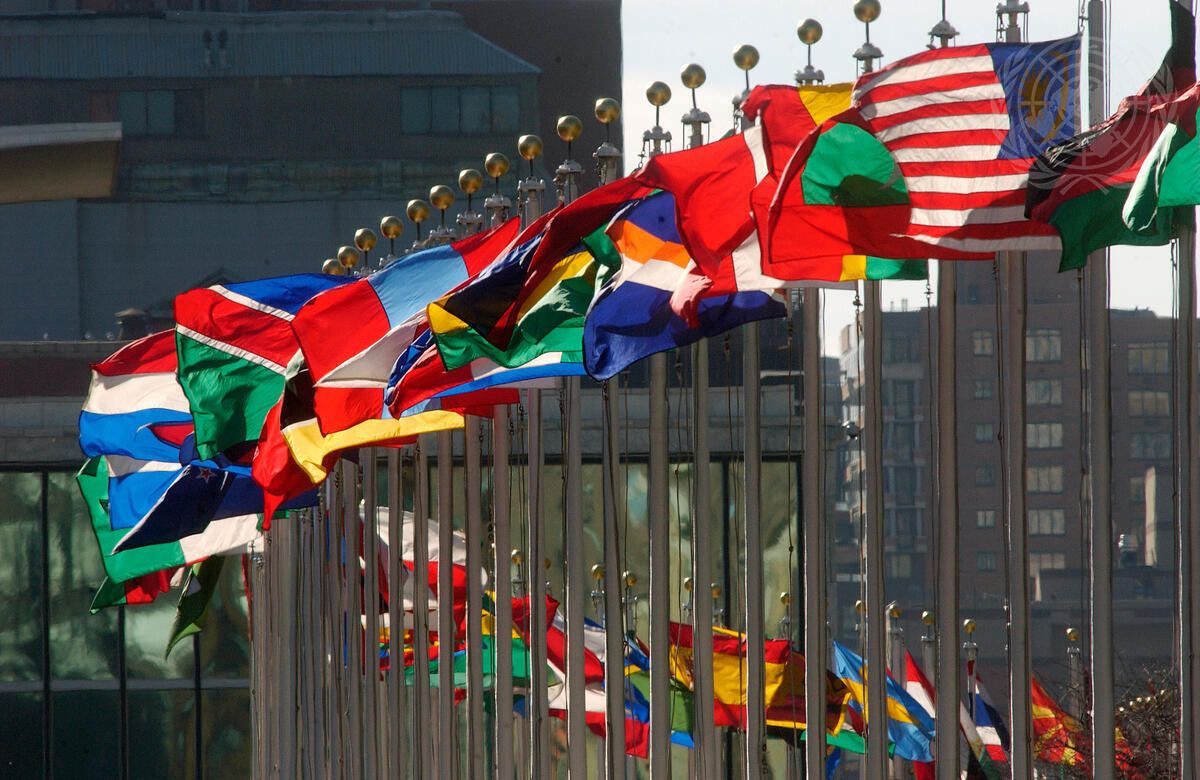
(20, 576)
(21, 726)
(226, 718)
(161, 734)
(87, 734)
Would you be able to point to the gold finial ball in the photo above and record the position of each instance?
(348, 256)
(470, 180)
(969, 626)
(607, 110)
(893, 611)
(1072, 634)
(867, 10)
(496, 165)
(517, 557)
(693, 76)
(785, 599)
(598, 572)
(716, 591)
(809, 32)
(630, 579)
(658, 93)
(927, 618)
(418, 210)
(364, 239)
(860, 606)
(391, 227)
(746, 57)
(687, 584)
(569, 127)
(333, 267)
(441, 196)
(529, 147)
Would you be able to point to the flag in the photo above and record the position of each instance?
(909, 727)
(234, 342)
(352, 335)
(1057, 737)
(1105, 186)
(139, 590)
(647, 304)
(227, 536)
(135, 406)
(198, 589)
(921, 689)
(988, 720)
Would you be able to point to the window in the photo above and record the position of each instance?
(161, 112)
(899, 566)
(1048, 522)
(981, 342)
(1043, 345)
(1039, 562)
(899, 349)
(985, 561)
(468, 110)
(1137, 490)
(1149, 358)
(985, 476)
(985, 432)
(1043, 436)
(1149, 403)
(1044, 479)
(1043, 392)
(983, 388)
(1150, 445)
(985, 518)
(901, 395)
(972, 293)
(900, 438)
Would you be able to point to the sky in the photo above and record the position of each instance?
(662, 36)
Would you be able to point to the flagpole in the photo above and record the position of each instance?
(608, 160)
(812, 475)
(397, 704)
(354, 630)
(1186, 435)
(658, 518)
(530, 192)
(943, 640)
(446, 720)
(867, 11)
(1100, 444)
(370, 673)
(422, 737)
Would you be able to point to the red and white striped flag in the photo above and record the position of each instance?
(964, 124)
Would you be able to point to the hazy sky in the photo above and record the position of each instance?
(661, 36)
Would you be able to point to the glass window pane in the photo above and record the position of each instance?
(21, 725)
(225, 641)
(506, 109)
(131, 110)
(160, 112)
(20, 576)
(226, 717)
(476, 110)
(147, 627)
(445, 110)
(414, 110)
(82, 645)
(87, 740)
(161, 729)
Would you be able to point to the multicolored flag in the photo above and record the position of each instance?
(921, 689)
(198, 589)
(234, 342)
(352, 336)
(988, 720)
(1057, 737)
(910, 729)
(1113, 183)
(139, 590)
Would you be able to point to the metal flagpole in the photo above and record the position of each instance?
(658, 510)
(473, 481)
(566, 178)
(812, 479)
(944, 640)
(530, 192)
(1187, 433)
(1100, 444)
(354, 630)
(498, 207)
(876, 644)
(447, 723)
(370, 591)
(813, 497)
(397, 699)
(608, 161)
(1013, 428)
(422, 703)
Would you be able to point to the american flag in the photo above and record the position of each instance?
(964, 124)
